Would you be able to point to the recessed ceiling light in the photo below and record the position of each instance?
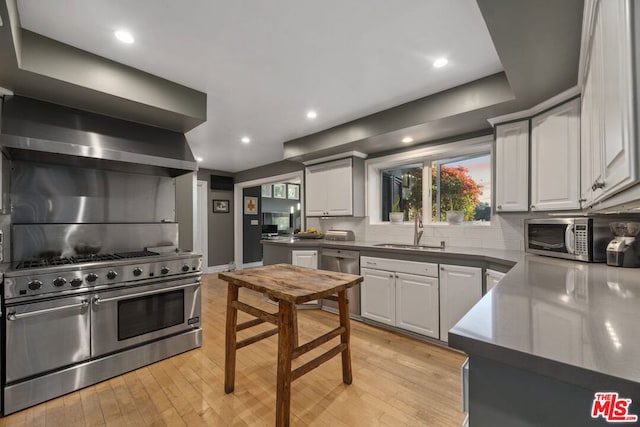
(124, 36)
(245, 140)
(199, 159)
(312, 114)
(440, 62)
(407, 139)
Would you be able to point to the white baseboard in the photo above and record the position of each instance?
(252, 264)
(215, 269)
(225, 267)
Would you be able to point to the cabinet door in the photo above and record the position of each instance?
(378, 296)
(339, 187)
(460, 289)
(315, 191)
(618, 151)
(586, 115)
(305, 258)
(512, 167)
(417, 304)
(493, 277)
(555, 158)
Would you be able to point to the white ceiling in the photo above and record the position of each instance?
(263, 64)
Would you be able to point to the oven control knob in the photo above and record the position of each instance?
(137, 271)
(60, 281)
(76, 282)
(92, 277)
(185, 268)
(112, 275)
(34, 285)
(164, 270)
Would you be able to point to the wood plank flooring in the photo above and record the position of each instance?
(397, 381)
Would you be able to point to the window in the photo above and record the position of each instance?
(462, 184)
(457, 179)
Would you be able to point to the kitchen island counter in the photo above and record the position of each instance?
(552, 332)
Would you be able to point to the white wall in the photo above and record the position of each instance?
(505, 232)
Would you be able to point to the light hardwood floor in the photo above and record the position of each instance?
(397, 381)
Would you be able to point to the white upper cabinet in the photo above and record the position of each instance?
(618, 150)
(555, 158)
(609, 153)
(512, 167)
(335, 188)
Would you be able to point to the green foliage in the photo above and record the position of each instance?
(458, 191)
(396, 204)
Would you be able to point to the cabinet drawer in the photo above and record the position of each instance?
(400, 266)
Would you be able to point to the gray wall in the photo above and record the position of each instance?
(219, 225)
(266, 171)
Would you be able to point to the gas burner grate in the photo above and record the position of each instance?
(44, 263)
(137, 254)
(79, 259)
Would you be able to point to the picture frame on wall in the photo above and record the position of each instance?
(250, 205)
(279, 191)
(293, 191)
(266, 190)
(220, 206)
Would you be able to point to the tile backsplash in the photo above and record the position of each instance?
(504, 232)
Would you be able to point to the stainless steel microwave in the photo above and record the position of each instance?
(579, 239)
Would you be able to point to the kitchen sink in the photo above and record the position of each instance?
(414, 247)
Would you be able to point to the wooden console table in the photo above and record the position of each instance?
(289, 285)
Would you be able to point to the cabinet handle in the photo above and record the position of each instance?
(391, 275)
(499, 207)
(441, 268)
(597, 185)
(582, 200)
(371, 263)
(533, 206)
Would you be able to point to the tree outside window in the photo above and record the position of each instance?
(462, 184)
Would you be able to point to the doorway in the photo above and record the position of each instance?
(239, 208)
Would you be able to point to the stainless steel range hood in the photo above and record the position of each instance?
(37, 131)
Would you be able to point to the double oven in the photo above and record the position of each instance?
(60, 337)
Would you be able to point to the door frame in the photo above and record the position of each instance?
(239, 208)
(202, 219)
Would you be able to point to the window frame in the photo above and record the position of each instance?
(450, 151)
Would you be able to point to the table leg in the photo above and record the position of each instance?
(230, 340)
(285, 348)
(343, 309)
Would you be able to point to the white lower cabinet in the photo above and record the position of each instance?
(309, 259)
(378, 293)
(396, 298)
(417, 304)
(460, 289)
(493, 278)
(305, 258)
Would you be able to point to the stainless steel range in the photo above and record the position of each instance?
(75, 321)
(88, 204)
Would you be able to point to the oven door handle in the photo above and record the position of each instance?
(97, 300)
(16, 316)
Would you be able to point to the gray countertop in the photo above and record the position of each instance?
(574, 321)
(578, 322)
(505, 257)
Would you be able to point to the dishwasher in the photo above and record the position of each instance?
(344, 262)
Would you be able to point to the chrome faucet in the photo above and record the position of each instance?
(417, 223)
